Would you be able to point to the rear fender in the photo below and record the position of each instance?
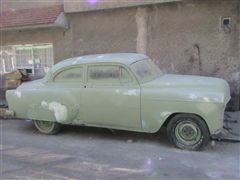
(49, 105)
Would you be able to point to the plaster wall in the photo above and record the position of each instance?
(104, 31)
(60, 38)
(189, 38)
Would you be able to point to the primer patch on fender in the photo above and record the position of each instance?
(59, 110)
(131, 92)
(165, 113)
(74, 62)
(44, 104)
(144, 125)
(18, 94)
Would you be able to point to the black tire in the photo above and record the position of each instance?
(188, 132)
(47, 127)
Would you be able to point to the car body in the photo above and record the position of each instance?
(119, 91)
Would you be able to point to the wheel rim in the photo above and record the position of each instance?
(44, 126)
(188, 132)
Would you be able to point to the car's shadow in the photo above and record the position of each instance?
(103, 133)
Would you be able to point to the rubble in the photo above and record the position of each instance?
(231, 128)
(15, 78)
(11, 80)
(2, 112)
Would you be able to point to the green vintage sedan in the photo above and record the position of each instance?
(123, 91)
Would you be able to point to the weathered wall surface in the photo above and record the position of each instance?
(88, 33)
(103, 31)
(188, 38)
(60, 38)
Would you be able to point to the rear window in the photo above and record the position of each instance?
(70, 75)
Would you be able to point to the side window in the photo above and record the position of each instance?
(125, 77)
(70, 75)
(108, 74)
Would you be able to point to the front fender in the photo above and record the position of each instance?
(155, 113)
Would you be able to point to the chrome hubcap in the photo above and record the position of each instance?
(45, 125)
(187, 132)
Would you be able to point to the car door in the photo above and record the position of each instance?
(111, 97)
(66, 87)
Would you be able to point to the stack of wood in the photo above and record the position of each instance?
(15, 78)
(3, 112)
(11, 81)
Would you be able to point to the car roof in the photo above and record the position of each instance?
(124, 58)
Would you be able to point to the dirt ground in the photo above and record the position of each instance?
(95, 153)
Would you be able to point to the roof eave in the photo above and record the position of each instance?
(84, 6)
(60, 22)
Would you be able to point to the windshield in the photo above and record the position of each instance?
(145, 70)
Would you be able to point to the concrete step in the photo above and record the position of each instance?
(231, 125)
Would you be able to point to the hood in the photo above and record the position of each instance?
(192, 87)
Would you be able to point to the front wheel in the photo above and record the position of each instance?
(47, 127)
(188, 131)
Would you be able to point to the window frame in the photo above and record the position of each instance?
(17, 62)
(136, 76)
(53, 76)
(131, 76)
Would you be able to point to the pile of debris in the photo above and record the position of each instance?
(11, 81)
(231, 128)
(15, 78)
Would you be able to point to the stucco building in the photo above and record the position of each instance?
(181, 36)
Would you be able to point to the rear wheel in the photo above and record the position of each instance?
(47, 127)
(188, 131)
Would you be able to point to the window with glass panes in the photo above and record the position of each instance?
(36, 58)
